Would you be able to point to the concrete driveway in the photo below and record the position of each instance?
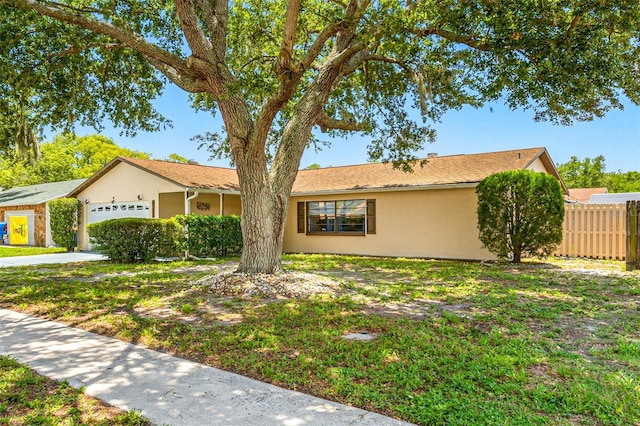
(42, 259)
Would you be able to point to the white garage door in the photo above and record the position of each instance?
(103, 211)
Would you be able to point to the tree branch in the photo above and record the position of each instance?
(216, 20)
(171, 65)
(325, 122)
(316, 48)
(190, 24)
(285, 60)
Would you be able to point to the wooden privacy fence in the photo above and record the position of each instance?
(633, 235)
(594, 230)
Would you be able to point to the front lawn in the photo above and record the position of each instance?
(9, 251)
(27, 398)
(457, 343)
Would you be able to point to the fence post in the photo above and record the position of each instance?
(633, 235)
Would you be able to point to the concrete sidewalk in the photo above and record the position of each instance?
(165, 389)
(41, 259)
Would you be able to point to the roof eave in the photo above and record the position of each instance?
(387, 189)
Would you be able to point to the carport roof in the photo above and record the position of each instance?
(37, 194)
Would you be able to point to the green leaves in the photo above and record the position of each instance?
(66, 157)
(131, 240)
(520, 212)
(208, 236)
(590, 173)
(60, 75)
(64, 214)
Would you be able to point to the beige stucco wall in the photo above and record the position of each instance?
(437, 223)
(204, 204)
(232, 205)
(170, 204)
(538, 166)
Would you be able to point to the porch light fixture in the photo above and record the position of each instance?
(113, 200)
(86, 201)
(139, 197)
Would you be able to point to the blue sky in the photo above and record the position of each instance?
(616, 136)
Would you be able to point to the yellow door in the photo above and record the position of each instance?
(18, 230)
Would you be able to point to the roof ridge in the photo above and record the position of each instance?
(429, 158)
(174, 163)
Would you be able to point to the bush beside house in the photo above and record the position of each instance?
(141, 240)
(208, 236)
(64, 217)
(131, 240)
(520, 212)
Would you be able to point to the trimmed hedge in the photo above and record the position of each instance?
(131, 240)
(208, 236)
(64, 216)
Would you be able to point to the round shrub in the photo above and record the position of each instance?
(520, 212)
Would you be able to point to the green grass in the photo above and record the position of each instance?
(27, 398)
(9, 251)
(459, 343)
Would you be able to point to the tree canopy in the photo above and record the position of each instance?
(277, 70)
(59, 76)
(66, 157)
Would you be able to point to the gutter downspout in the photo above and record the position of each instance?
(187, 200)
(221, 204)
(187, 210)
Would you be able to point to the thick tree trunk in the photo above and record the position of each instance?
(263, 215)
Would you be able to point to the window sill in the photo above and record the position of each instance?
(338, 234)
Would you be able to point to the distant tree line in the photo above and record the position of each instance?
(590, 173)
(66, 157)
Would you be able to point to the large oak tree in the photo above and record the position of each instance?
(275, 70)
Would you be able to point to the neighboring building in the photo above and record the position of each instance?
(615, 198)
(26, 211)
(583, 195)
(368, 209)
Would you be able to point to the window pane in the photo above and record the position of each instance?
(351, 215)
(321, 216)
(350, 223)
(322, 208)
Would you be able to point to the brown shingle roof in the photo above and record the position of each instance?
(187, 175)
(190, 175)
(583, 195)
(445, 170)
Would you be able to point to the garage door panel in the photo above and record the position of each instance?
(99, 212)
